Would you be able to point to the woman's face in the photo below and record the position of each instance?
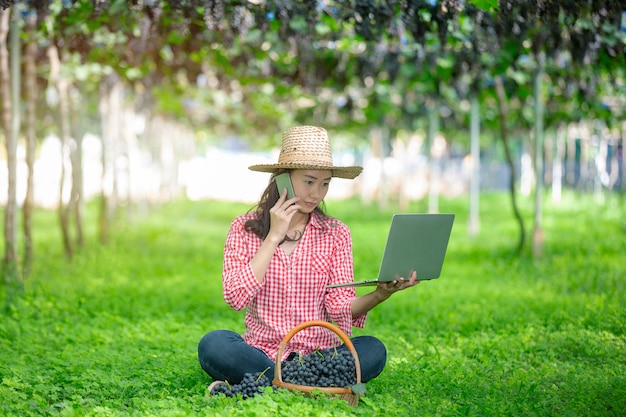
(311, 185)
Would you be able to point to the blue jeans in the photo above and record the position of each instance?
(225, 356)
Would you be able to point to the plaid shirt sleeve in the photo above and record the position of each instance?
(339, 300)
(294, 287)
(239, 283)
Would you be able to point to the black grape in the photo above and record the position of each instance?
(322, 368)
(250, 385)
(325, 368)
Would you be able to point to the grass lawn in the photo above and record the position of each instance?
(114, 332)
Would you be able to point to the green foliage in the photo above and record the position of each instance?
(114, 333)
(489, 5)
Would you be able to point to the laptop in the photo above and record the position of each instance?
(416, 242)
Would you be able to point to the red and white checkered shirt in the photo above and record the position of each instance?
(294, 289)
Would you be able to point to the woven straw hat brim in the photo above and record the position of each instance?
(349, 172)
(307, 147)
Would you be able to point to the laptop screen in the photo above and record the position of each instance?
(416, 242)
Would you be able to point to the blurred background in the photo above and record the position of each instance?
(137, 103)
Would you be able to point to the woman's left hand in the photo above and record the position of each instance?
(388, 288)
(364, 303)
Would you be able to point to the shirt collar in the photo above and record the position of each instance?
(315, 220)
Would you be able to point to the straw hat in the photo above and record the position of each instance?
(307, 147)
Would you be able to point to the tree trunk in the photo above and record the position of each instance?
(623, 158)
(538, 234)
(62, 87)
(474, 210)
(30, 81)
(5, 122)
(504, 136)
(598, 146)
(434, 158)
(169, 158)
(582, 157)
(103, 108)
(572, 161)
(76, 194)
(10, 97)
(110, 102)
(557, 164)
(613, 159)
(385, 183)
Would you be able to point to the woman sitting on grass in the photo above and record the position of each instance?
(278, 261)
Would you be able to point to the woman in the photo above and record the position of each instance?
(277, 263)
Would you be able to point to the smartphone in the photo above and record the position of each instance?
(284, 181)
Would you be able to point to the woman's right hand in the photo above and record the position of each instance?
(281, 215)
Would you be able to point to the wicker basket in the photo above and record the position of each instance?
(350, 394)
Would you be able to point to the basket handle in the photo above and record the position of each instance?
(320, 323)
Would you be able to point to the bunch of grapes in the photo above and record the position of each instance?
(250, 385)
(326, 368)
(322, 368)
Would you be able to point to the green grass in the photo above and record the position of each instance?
(114, 332)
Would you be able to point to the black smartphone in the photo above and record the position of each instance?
(284, 181)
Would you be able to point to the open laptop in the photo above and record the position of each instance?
(416, 242)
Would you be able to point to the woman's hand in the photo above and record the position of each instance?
(281, 215)
(386, 289)
(364, 303)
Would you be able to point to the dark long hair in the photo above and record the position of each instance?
(260, 224)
